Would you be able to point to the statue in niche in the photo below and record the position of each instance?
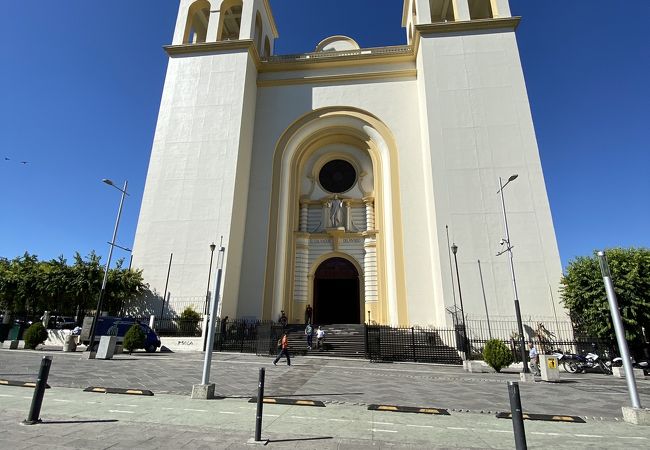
(335, 206)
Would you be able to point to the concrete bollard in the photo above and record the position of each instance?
(549, 367)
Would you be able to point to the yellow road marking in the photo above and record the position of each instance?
(563, 418)
(133, 391)
(387, 408)
(429, 410)
(304, 402)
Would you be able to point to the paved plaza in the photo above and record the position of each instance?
(170, 419)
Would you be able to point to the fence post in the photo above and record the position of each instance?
(413, 344)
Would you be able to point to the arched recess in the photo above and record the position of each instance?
(341, 311)
(258, 32)
(230, 20)
(298, 143)
(196, 26)
(267, 46)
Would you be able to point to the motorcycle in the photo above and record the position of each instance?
(573, 363)
(644, 365)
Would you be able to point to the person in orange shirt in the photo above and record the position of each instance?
(283, 344)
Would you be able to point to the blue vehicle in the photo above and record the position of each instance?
(118, 326)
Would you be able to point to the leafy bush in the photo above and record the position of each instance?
(497, 354)
(36, 334)
(189, 323)
(134, 338)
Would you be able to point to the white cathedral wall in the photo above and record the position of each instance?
(479, 128)
(198, 174)
(395, 103)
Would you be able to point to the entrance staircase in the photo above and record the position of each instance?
(341, 340)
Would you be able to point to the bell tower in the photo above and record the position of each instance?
(198, 177)
(476, 127)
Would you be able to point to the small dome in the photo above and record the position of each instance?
(337, 44)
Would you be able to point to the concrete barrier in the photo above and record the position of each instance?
(182, 344)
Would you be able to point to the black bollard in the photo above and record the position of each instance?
(39, 391)
(260, 406)
(517, 416)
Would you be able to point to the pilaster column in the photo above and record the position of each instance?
(304, 216)
(370, 213)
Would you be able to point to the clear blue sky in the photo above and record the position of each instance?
(80, 86)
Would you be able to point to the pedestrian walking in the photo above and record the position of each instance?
(308, 313)
(533, 354)
(283, 346)
(283, 319)
(320, 337)
(309, 332)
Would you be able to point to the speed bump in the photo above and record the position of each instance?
(106, 390)
(544, 417)
(410, 409)
(29, 384)
(289, 401)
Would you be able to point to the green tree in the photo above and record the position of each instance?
(28, 286)
(583, 293)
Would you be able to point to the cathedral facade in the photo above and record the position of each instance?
(338, 177)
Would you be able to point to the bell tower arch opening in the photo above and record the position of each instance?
(336, 292)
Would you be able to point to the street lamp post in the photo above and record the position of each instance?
(466, 350)
(506, 241)
(108, 263)
(206, 309)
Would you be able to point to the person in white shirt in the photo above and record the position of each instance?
(533, 354)
(320, 336)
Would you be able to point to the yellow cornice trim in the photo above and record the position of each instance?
(407, 73)
(468, 25)
(215, 47)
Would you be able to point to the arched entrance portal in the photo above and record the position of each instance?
(336, 292)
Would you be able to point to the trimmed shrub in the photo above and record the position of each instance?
(35, 335)
(134, 338)
(497, 354)
(189, 322)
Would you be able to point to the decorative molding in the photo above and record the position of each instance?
(468, 25)
(408, 73)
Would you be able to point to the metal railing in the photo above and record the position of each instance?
(324, 55)
(385, 343)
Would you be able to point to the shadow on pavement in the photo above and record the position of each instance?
(301, 439)
(314, 394)
(57, 422)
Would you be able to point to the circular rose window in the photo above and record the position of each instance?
(337, 176)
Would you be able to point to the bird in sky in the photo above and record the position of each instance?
(7, 159)
(24, 162)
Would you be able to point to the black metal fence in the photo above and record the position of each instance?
(385, 343)
(240, 335)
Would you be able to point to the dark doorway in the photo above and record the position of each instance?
(336, 292)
